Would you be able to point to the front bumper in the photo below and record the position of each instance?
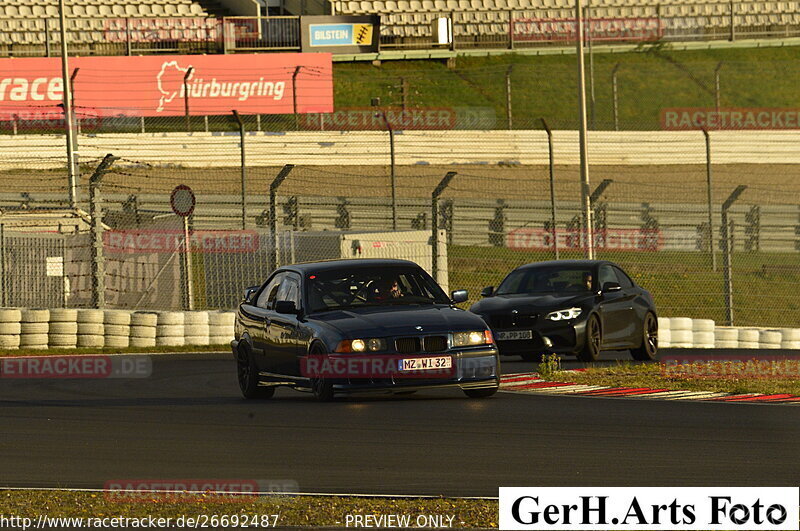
(564, 338)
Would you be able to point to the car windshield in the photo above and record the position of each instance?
(373, 286)
(548, 279)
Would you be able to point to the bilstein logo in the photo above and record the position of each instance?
(171, 86)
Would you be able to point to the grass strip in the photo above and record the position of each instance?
(754, 376)
(306, 511)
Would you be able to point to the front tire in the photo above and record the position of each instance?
(480, 393)
(594, 339)
(648, 350)
(247, 374)
(321, 388)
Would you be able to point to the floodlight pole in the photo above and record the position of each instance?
(552, 187)
(727, 250)
(186, 98)
(72, 167)
(273, 221)
(435, 222)
(587, 209)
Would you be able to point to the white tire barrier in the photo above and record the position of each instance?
(63, 330)
(91, 340)
(117, 341)
(726, 344)
(769, 339)
(170, 318)
(34, 327)
(10, 315)
(664, 337)
(143, 342)
(90, 329)
(703, 339)
(792, 345)
(147, 332)
(748, 344)
(116, 328)
(790, 334)
(89, 316)
(682, 338)
(170, 341)
(33, 341)
(680, 323)
(170, 329)
(748, 335)
(703, 325)
(221, 327)
(144, 319)
(117, 317)
(221, 318)
(9, 341)
(10, 328)
(195, 318)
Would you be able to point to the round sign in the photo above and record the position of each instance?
(182, 200)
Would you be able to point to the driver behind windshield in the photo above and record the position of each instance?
(385, 289)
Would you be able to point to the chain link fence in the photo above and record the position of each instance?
(713, 230)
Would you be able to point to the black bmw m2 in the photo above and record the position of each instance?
(351, 326)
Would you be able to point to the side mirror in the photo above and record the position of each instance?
(285, 307)
(249, 292)
(611, 286)
(488, 291)
(459, 295)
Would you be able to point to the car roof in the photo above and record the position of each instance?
(329, 265)
(565, 263)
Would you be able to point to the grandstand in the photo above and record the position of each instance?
(29, 27)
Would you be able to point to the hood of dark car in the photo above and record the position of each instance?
(531, 302)
(381, 321)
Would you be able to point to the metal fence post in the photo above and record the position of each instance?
(128, 46)
(392, 176)
(732, 36)
(186, 98)
(243, 166)
(727, 250)
(72, 96)
(294, 96)
(47, 43)
(615, 96)
(711, 249)
(435, 222)
(273, 219)
(509, 116)
(716, 87)
(188, 303)
(96, 230)
(3, 293)
(552, 187)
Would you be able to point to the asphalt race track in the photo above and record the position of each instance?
(188, 421)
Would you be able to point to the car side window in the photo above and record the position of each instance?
(269, 294)
(289, 290)
(623, 279)
(606, 274)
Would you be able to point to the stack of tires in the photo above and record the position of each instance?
(63, 329)
(681, 332)
(769, 339)
(790, 338)
(220, 327)
(34, 329)
(10, 328)
(91, 330)
(195, 328)
(143, 329)
(664, 333)
(726, 337)
(169, 329)
(117, 326)
(702, 333)
(749, 337)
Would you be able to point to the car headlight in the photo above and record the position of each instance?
(374, 344)
(563, 315)
(467, 339)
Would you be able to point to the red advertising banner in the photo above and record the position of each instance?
(754, 118)
(599, 29)
(154, 85)
(528, 239)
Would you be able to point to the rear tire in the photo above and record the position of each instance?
(648, 350)
(480, 393)
(594, 339)
(247, 374)
(322, 389)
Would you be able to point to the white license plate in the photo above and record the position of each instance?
(424, 364)
(512, 335)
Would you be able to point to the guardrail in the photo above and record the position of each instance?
(497, 28)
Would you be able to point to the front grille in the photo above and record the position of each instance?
(506, 320)
(407, 345)
(434, 343)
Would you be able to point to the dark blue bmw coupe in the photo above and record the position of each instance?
(348, 326)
